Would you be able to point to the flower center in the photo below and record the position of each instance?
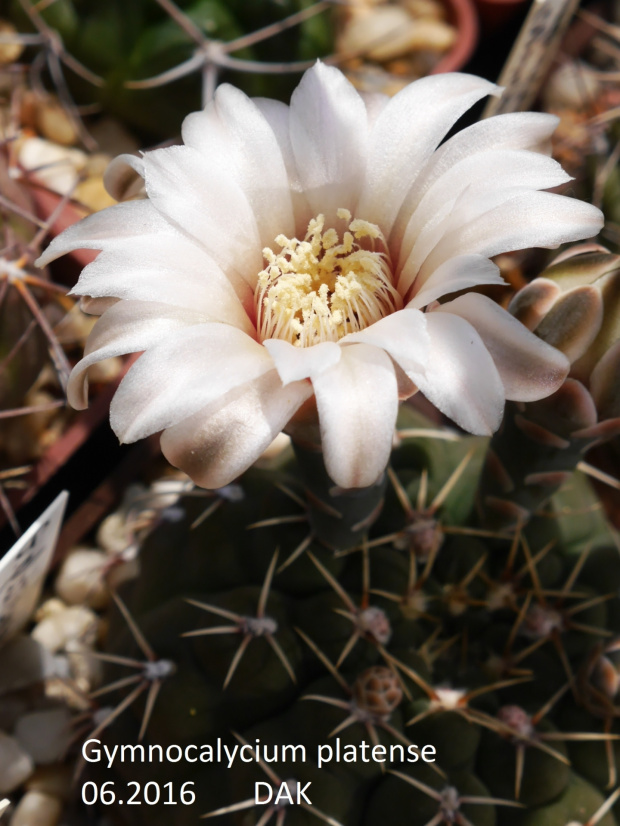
(322, 288)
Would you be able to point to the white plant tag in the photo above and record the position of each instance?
(23, 569)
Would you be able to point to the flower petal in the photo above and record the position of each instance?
(405, 135)
(357, 401)
(178, 376)
(495, 169)
(202, 200)
(530, 219)
(461, 379)
(329, 127)
(529, 368)
(125, 327)
(375, 103)
(220, 442)
(108, 228)
(403, 335)
(169, 270)
(277, 115)
(295, 363)
(233, 130)
(458, 273)
(121, 172)
(96, 306)
(521, 130)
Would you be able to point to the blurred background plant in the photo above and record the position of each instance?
(583, 92)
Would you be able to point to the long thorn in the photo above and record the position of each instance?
(334, 583)
(305, 543)
(401, 493)
(325, 660)
(151, 698)
(218, 629)
(123, 683)
(264, 594)
(449, 485)
(237, 658)
(220, 612)
(281, 656)
(599, 814)
(136, 632)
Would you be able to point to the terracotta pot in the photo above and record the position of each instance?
(76, 435)
(46, 202)
(84, 423)
(463, 16)
(497, 14)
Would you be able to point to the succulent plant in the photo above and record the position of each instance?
(440, 671)
(106, 54)
(439, 649)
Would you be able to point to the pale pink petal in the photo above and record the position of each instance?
(405, 135)
(199, 197)
(530, 131)
(529, 368)
(522, 130)
(125, 327)
(295, 363)
(531, 219)
(375, 103)
(96, 306)
(459, 273)
(120, 172)
(357, 401)
(494, 169)
(220, 442)
(329, 127)
(277, 115)
(461, 379)
(233, 130)
(403, 335)
(108, 229)
(185, 371)
(169, 270)
(487, 221)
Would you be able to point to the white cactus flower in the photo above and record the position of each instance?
(287, 257)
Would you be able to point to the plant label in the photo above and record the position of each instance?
(23, 569)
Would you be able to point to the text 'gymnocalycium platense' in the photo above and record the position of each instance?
(296, 262)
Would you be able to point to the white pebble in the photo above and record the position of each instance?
(573, 85)
(54, 780)
(61, 627)
(37, 809)
(16, 765)
(387, 32)
(81, 579)
(49, 608)
(113, 534)
(45, 735)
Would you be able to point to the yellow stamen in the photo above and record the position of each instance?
(322, 288)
